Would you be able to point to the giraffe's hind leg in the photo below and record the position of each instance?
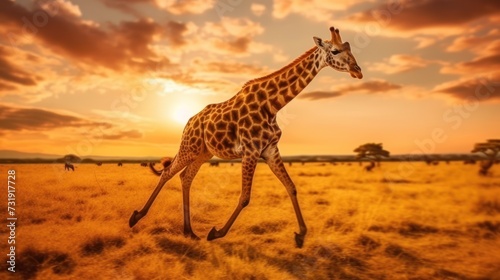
(273, 159)
(248, 164)
(177, 165)
(187, 176)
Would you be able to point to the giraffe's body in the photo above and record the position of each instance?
(245, 127)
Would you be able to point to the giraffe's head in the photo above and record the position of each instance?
(338, 55)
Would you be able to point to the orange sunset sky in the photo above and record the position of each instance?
(116, 77)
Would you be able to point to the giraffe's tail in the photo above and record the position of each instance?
(166, 161)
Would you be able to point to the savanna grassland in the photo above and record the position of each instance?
(427, 222)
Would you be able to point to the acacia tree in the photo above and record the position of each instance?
(372, 152)
(490, 148)
(71, 158)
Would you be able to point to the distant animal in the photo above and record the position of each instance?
(245, 127)
(99, 163)
(485, 167)
(68, 166)
(370, 166)
(120, 164)
(214, 163)
(469, 161)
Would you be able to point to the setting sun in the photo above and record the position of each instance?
(183, 103)
(183, 111)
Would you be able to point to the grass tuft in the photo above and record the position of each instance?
(411, 229)
(97, 245)
(32, 261)
(396, 251)
(368, 243)
(486, 206)
(180, 249)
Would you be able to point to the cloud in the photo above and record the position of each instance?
(375, 86)
(487, 51)
(34, 119)
(473, 42)
(229, 67)
(175, 33)
(399, 63)
(60, 7)
(11, 74)
(234, 36)
(175, 7)
(123, 134)
(126, 6)
(479, 77)
(115, 46)
(258, 9)
(429, 14)
(316, 95)
(6, 87)
(233, 27)
(427, 22)
(28, 119)
(238, 45)
(477, 88)
(185, 6)
(316, 10)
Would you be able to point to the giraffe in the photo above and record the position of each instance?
(245, 127)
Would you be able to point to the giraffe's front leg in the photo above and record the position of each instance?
(248, 164)
(273, 159)
(137, 215)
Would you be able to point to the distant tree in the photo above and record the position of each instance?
(72, 158)
(491, 149)
(373, 152)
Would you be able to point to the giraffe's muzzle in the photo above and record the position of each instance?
(355, 72)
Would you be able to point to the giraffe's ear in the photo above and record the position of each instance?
(346, 46)
(318, 42)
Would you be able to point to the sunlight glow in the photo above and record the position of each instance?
(184, 110)
(184, 103)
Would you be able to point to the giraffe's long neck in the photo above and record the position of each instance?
(277, 89)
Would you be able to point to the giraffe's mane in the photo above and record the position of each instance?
(283, 69)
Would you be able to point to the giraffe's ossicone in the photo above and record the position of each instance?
(245, 127)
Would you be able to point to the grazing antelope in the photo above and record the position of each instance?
(68, 166)
(370, 167)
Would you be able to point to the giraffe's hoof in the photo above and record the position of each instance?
(133, 220)
(191, 235)
(299, 239)
(213, 234)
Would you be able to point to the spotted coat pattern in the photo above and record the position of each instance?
(245, 127)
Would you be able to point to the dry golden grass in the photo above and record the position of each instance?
(439, 222)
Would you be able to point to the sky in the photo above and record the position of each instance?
(121, 78)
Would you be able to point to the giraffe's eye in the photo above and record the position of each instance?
(335, 52)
